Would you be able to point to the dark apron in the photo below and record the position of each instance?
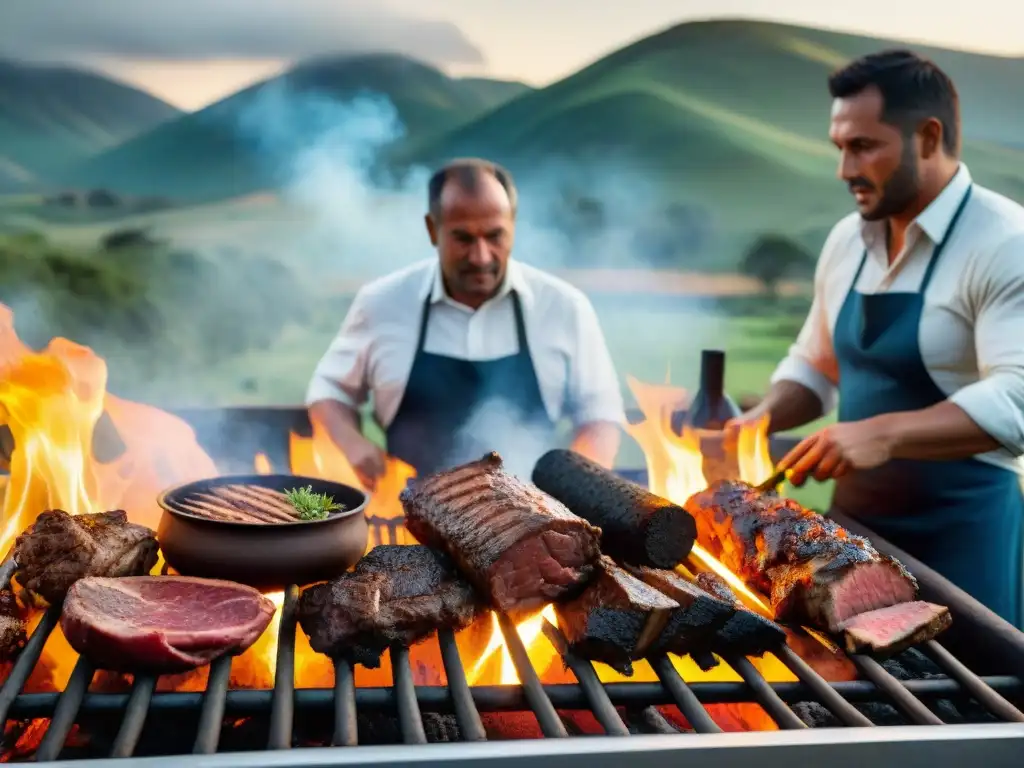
(454, 410)
(962, 518)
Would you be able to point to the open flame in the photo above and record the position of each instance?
(55, 404)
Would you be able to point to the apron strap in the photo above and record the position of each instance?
(517, 308)
(941, 245)
(423, 325)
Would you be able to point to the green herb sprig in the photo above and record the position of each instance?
(311, 506)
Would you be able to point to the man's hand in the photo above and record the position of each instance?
(342, 424)
(368, 460)
(836, 449)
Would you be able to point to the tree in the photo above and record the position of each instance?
(773, 257)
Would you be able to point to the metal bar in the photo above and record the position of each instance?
(346, 733)
(993, 746)
(27, 660)
(590, 683)
(895, 690)
(551, 724)
(282, 704)
(471, 727)
(7, 569)
(653, 719)
(973, 684)
(683, 695)
(409, 718)
(66, 711)
(823, 692)
(211, 717)
(776, 708)
(134, 716)
(505, 698)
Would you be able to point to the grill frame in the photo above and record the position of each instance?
(852, 744)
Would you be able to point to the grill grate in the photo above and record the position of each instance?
(407, 700)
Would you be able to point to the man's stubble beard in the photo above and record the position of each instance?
(900, 190)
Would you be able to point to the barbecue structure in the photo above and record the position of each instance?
(519, 547)
(396, 594)
(813, 569)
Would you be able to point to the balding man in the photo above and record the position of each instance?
(471, 352)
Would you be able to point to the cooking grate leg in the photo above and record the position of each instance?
(409, 718)
(597, 696)
(65, 713)
(776, 708)
(823, 692)
(134, 716)
(895, 690)
(211, 716)
(470, 726)
(282, 703)
(551, 724)
(973, 684)
(346, 733)
(27, 660)
(685, 699)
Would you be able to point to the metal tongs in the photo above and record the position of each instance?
(773, 482)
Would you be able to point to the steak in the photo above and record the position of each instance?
(58, 549)
(692, 625)
(395, 595)
(744, 633)
(161, 624)
(637, 527)
(12, 626)
(616, 619)
(887, 631)
(518, 546)
(814, 571)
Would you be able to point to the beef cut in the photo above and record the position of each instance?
(813, 569)
(637, 527)
(58, 549)
(395, 595)
(692, 626)
(161, 624)
(888, 631)
(744, 633)
(12, 626)
(519, 547)
(616, 619)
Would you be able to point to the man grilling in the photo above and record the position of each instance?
(471, 352)
(915, 325)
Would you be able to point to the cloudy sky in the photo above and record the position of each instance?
(193, 52)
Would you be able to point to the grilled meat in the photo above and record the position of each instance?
(616, 619)
(888, 631)
(58, 549)
(519, 547)
(744, 633)
(395, 595)
(691, 626)
(12, 626)
(637, 527)
(814, 571)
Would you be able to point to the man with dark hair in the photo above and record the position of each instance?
(915, 325)
(470, 352)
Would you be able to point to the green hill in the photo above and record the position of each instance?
(208, 154)
(731, 116)
(53, 116)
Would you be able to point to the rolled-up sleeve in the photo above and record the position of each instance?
(996, 402)
(811, 360)
(593, 385)
(341, 373)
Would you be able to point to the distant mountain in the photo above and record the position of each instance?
(53, 116)
(211, 153)
(731, 116)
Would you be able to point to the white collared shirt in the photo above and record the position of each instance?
(971, 328)
(374, 349)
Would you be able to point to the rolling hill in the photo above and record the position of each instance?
(211, 153)
(730, 115)
(53, 116)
